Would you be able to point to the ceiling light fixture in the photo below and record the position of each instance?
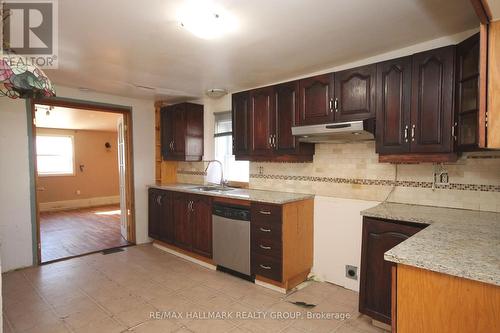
(205, 19)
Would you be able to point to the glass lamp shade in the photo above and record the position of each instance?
(19, 80)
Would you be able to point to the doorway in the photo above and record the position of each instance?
(83, 175)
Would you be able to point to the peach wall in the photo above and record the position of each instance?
(100, 174)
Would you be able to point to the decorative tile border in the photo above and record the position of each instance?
(191, 173)
(383, 182)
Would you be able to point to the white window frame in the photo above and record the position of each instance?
(58, 174)
(224, 116)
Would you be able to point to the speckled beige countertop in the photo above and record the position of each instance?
(458, 242)
(243, 194)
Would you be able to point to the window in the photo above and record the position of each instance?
(233, 170)
(54, 155)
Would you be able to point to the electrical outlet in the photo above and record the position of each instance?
(440, 175)
(261, 170)
(351, 272)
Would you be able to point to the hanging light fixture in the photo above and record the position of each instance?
(20, 80)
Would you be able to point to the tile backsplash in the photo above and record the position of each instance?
(352, 171)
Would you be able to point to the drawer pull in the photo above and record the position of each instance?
(265, 267)
(265, 247)
(265, 230)
(265, 212)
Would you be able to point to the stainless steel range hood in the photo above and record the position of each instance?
(361, 130)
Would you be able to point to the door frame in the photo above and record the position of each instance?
(126, 111)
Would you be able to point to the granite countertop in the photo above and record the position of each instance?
(243, 194)
(458, 242)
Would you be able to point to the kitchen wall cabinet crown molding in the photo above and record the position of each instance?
(182, 132)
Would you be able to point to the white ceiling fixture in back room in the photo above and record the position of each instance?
(206, 19)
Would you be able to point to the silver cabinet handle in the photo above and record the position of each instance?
(192, 204)
(270, 140)
(264, 247)
(265, 212)
(413, 132)
(159, 200)
(265, 230)
(171, 145)
(406, 133)
(265, 267)
(336, 105)
(453, 131)
(274, 140)
(331, 104)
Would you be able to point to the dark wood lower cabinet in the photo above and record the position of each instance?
(161, 224)
(201, 224)
(379, 236)
(181, 219)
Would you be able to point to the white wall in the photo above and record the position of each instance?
(337, 238)
(15, 216)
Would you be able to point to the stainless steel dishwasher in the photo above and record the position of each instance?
(231, 238)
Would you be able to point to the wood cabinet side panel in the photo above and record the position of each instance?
(493, 134)
(434, 302)
(297, 237)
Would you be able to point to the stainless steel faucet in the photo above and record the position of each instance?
(222, 183)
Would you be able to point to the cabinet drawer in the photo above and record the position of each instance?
(266, 231)
(266, 214)
(266, 266)
(267, 247)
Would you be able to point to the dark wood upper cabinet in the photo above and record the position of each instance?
(378, 237)
(182, 132)
(286, 98)
(262, 117)
(432, 101)
(355, 94)
(467, 94)
(201, 221)
(241, 124)
(316, 100)
(393, 98)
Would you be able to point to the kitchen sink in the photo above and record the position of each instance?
(213, 188)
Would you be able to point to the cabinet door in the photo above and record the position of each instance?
(201, 221)
(467, 96)
(167, 134)
(154, 213)
(432, 101)
(179, 129)
(182, 226)
(355, 93)
(194, 132)
(166, 227)
(316, 100)
(262, 120)
(393, 96)
(287, 112)
(241, 126)
(378, 237)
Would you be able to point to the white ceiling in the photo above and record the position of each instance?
(112, 45)
(75, 119)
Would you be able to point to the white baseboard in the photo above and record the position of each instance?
(185, 257)
(80, 203)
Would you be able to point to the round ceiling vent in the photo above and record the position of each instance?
(216, 93)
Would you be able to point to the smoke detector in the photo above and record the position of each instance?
(216, 93)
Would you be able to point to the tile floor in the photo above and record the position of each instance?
(119, 292)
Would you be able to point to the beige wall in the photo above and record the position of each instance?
(100, 173)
